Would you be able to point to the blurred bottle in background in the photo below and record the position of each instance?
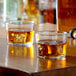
(31, 9)
(47, 10)
(66, 15)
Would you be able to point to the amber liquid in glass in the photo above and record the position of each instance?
(20, 36)
(49, 15)
(51, 48)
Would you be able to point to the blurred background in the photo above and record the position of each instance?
(41, 11)
(63, 12)
(1, 9)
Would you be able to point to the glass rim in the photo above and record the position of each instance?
(50, 34)
(27, 22)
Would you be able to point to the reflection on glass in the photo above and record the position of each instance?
(21, 51)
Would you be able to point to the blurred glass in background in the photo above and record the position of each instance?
(47, 10)
(14, 9)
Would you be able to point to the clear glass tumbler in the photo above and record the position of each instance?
(20, 32)
(52, 45)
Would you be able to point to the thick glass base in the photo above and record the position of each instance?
(26, 44)
(54, 57)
